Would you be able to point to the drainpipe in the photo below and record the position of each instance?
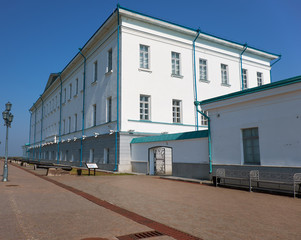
(41, 128)
(28, 152)
(245, 48)
(272, 65)
(196, 103)
(195, 85)
(60, 122)
(34, 136)
(118, 58)
(83, 116)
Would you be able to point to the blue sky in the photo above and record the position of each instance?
(40, 37)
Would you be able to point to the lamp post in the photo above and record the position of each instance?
(8, 118)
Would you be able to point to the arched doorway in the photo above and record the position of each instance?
(159, 161)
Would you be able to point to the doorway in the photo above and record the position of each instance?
(159, 161)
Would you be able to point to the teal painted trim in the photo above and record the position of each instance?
(172, 137)
(35, 130)
(242, 83)
(195, 30)
(209, 137)
(272, 65)
(83, 115)
(28, 152)
(265, 87)
(141, 133)
(165, 123)
(60, 122)
(195, 85)
(118, 56)
(42, 117)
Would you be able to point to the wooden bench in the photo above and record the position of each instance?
(237, 178)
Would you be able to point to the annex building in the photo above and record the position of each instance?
(139, 76)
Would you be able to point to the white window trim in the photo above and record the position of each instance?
(181, 112)
(149, 67)
(149, 107)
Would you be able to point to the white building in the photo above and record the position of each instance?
(136, 76)
(257, 129)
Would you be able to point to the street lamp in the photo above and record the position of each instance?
(8, 118)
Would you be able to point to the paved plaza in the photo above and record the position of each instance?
(109, 207)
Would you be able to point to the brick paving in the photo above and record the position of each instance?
(203, 211)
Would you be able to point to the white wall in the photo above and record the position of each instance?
(162, 87)
(277, 115)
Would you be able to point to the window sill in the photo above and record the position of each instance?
(204, 81)
(176, 76)
(225, 85)
(108, 72)
(175, 123)
(82, 91)
(94, 83)
(69, 100)
(63, 103)
(144, 70)
(75, 96)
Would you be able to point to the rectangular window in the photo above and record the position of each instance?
(94, 115)
(109, 109)
(70, 91)
(203, 69)
(75, 122)
(64, 126)
(259, 78)
(69, 125)
(204, 120)
(110, 60)
(245, 78)
(91, 160)
(251, 146)
(176, 111)
(144, 107)
(95, 71)
(106, 155)
(224, 74)
(76, 86)
(65, 95)
(144, 56)
(175, 63)
(66, 155)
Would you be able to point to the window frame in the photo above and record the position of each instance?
(109, 109)
(95, 71)
(143, 113)
(201, 69)
(110, 60)
(177, 109)
(245, 78)
(225, 70)
(144, 55)
(259, 78)
(176, 64)
(94, 119)
(252, 140)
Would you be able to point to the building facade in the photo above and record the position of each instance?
(258, 129)
(136, 76)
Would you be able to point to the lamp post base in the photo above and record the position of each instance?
(5, 173)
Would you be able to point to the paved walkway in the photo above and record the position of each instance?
(39, 209)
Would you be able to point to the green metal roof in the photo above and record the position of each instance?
(172, 137)
(265, 87)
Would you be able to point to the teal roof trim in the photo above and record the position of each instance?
(172, 137)
(265, 87)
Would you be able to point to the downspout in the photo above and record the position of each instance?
(42, 117)
(245, 48)
(196, 103)
(195, 85)
(116, 133)
(60, 122)
(272, 65)
(35, 129)
(28, 152)
(83, 116)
